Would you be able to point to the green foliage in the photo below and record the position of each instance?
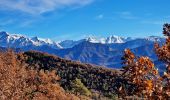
(79, 88)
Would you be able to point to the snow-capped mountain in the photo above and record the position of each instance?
(117, 39)
(108, 40)
(92, 39)
(20, 41)
(108, 51)
(155, 38)
(100, 51)
(109, 55)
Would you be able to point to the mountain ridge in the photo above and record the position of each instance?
(89, 50)
(22, 40)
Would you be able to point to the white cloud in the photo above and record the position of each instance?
(40, 6)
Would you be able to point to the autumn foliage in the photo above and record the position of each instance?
(139, 71)
(18, 82)
(163, 53)
(143, 75)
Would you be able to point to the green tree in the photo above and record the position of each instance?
(79, 88)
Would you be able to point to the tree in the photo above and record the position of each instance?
(79, 88)
(163, 53)
(19, 82)
(141, 72)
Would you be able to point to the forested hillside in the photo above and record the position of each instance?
(95, 78)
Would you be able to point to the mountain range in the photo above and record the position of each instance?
(99, 51)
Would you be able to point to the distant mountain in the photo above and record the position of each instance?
(19, 41)
(70, 43)
(108, 40)
(100, 51)
(104, 55)
(109, 55)
(87, 52)
(112, 40)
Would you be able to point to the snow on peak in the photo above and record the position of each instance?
(23, 41)
(107, 40)
(18, 41)
(49, 41)
(92, 39)
(154, 38)
(114, 39)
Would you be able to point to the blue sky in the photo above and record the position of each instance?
(75, 19)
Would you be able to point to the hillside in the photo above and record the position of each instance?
(94, 78)
(18, 82)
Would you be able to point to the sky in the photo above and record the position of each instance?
(76, 19)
